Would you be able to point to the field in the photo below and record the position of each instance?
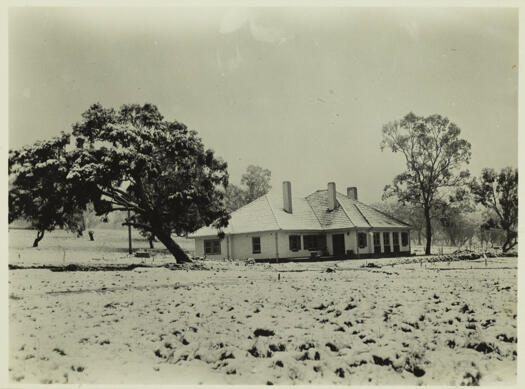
(60, 247)
(295, 323)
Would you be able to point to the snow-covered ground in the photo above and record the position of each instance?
(300, 323)
(110, 247)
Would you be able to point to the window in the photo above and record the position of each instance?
(256, 245)
(295, 242)
(314, 242)
(212, 246)
(361, 239)
(404, 238)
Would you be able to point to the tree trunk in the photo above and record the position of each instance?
(172, 247)
(419, 237)
(510, 241)
(428, 230)
(151, 239)
(39, 236)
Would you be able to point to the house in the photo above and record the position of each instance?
(324, 223)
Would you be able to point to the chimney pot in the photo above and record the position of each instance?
(287, 196)
(332, 201)
(351, 192)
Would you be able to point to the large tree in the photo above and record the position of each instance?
(39, 191)
(131, 158)
(254, 184)
(434, 154)
(257, 182)
(498, 192)
(458, 220)
(235, 197)
(126, 159)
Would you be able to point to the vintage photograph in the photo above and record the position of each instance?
(268, 195)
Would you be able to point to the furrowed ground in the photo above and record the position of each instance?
(331, 322)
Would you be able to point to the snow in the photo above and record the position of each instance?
(408, 324)
(62, 248)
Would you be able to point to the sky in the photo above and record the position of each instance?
(303, 92)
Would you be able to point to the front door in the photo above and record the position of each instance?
(338, 242)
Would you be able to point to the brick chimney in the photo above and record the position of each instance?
(287, 196)
(351, 192)
(332, 202)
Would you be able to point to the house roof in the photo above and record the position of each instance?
(309, 213)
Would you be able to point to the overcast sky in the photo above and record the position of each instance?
(303, 92)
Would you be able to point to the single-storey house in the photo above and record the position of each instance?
(324, 223)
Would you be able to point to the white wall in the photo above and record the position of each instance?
(240, 246)
(284, 244)
(401, 247)
(350, 240)
(361, 250)
(407, 246)
(199, 249)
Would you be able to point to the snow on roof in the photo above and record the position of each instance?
(309, 213)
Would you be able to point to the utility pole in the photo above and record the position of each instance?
(129, 231)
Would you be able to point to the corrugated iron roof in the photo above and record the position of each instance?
(308, 214)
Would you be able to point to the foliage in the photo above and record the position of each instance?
(235, 197)
(133, 159)
(39, 190)
(434, 153)
(257, 181)
(498, 192)
(459, 220)
(490, 231)
(408, 213)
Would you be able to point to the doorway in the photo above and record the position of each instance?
(338, 243)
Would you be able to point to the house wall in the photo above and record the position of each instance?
(369, 248)
(240, 246)
(284, 244)
(350, 240)
(199, 249)
(407, 246)
(402, 248)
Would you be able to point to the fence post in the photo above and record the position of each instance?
(129, 231)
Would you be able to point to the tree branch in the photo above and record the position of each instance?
(138, 225)
(119, 200)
